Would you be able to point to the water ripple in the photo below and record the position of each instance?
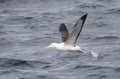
(90, 5)
(5, 62)
(107, 38)
(13, 62)
(113, 11)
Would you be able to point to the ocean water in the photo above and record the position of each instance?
(27, 27)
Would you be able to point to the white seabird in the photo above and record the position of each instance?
(69, 40)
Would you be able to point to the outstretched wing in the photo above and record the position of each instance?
(64, 32)
(71, 40)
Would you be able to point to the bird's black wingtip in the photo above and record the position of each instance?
(84, 16)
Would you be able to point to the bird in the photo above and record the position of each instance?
(69, 39)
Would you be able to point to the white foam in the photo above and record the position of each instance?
(94, 54)
(90, 52)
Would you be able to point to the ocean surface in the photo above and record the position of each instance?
(27, 27)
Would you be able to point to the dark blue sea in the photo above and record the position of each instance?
(27, 27)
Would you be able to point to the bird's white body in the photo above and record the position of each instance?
(62, 46)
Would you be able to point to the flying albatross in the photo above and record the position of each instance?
(69, 40)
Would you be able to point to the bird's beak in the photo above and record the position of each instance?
(47, 47)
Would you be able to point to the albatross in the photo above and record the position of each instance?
(69, 40)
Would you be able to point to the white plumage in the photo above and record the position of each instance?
(62, 46)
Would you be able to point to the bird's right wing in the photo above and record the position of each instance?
(71, 40)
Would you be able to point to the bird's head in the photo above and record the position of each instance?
(52, 45)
